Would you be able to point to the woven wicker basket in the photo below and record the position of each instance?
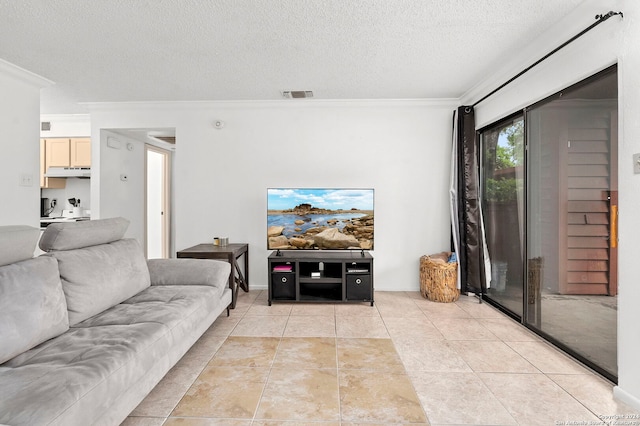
(439, 280)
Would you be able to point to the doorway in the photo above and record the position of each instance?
(549, 194)
(157, 202)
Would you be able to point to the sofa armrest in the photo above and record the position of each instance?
(189, 272)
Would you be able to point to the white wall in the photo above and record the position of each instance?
(399, 148)
(66, 126)
(19, 121)
(614, 41)
(118, 197)
(629, 231)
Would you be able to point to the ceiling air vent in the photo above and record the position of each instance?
(167, 139)
(45, 126)
(297, 94)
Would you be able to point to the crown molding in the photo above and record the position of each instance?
(14, 71)
(75, 118)
(283, 103)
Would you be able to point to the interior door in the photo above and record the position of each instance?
(157, 186)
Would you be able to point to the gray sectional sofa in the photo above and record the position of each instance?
(89, 328)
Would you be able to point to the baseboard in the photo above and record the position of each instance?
(626, 397)
(266, 287)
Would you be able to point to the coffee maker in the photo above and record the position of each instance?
(44, 207)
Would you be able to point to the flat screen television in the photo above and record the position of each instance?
(319, 219)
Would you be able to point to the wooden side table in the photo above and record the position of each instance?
(231, 253)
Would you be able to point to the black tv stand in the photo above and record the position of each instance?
(320, 276)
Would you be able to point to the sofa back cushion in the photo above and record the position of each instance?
(17, 242)
(74, 235)
(98, 277)
(32, 305)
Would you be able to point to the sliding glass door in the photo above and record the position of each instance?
(572, 208)
(559, 260)
(502, 189)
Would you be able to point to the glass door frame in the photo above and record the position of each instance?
(524, 319)
(510, 118)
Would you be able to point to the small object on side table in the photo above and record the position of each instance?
(231, 253)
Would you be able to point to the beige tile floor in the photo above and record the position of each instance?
(405, 360)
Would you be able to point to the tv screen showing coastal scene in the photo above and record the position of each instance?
(319, 219)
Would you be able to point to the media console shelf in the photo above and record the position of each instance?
(320, 276)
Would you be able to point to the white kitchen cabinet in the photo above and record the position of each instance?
(45, 148)
(57, 152)
(80, 149)
(62, 152)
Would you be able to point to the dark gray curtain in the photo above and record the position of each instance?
(470, 253)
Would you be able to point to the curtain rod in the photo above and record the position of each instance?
(599, 20)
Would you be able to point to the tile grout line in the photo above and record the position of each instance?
(541, 372)
(475, 373)
(406, 372)
(335, 330)
(338, 374)
(195, 378)
(486, 386)
(266, 381)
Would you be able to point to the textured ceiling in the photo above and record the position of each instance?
(165, 50)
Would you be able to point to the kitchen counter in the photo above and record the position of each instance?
(46, 221)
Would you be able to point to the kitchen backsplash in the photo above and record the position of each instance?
(75, 188)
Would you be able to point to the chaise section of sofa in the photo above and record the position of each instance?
(129, 322)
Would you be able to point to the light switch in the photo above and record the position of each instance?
(636, 164)
(26, 180)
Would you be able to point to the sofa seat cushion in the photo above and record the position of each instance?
(39, 385)
(80, 374)
(166, 304)
(32, 305)
(99, 277)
